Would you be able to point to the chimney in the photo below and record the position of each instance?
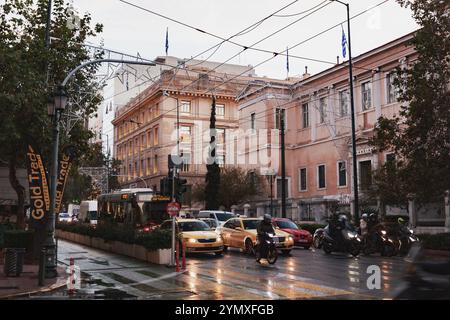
(306, 74)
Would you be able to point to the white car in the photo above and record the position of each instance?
(64, 217)
(220, 216)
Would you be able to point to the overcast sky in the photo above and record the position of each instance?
(132, 30)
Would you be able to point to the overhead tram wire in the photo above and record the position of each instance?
(293, 56)
(328, 29)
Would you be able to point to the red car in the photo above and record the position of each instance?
(301, 237)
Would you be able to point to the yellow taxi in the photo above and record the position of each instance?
(197, 236)
(241, 233)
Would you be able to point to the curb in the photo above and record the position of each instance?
(43, 289)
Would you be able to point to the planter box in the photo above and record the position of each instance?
(161, 256)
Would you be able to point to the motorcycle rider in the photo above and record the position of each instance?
(263, 228)
(363, 225)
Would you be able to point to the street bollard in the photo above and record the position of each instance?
(71, 289)
(177, 256)
(183, 267)
(41, 275)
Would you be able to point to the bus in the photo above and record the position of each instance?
(139, 208)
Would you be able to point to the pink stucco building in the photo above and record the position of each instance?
(318, 127)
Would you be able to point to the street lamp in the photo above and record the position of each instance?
(352, 107)
(55, 110)
(270, 176)
(174, 170)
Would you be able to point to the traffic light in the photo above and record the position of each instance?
(166, 186)
(180, 188)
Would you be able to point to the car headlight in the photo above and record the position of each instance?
(351, 235)
(192, 240)
(383, 232)
(290, 239)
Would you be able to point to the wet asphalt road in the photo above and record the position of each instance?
(305, 274)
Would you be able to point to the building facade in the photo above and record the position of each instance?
(146, 131)
(318, 128)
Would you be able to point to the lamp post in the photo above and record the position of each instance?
(270, 176)
(54, 110)
(174, 170)
(352, 108)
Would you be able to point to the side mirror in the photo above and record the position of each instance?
(239, 229)
(213, 229)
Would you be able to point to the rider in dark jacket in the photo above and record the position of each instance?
(262, 229)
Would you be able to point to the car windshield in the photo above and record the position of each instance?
(251, 224)
(223, 216)
(212, 223)
(64, 215)
(286, 224)
(193, 226)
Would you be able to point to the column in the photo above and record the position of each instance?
(332, 110)
(377, 99)
(412, 211)
(295, 215)
(312, 109)
(246, 207)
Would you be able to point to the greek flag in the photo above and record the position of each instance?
(344, 43)
(167, 40)
(287, 60)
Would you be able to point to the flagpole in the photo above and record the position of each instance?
(352, 107)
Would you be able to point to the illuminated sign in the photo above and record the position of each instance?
(160, 198)
(124, 197)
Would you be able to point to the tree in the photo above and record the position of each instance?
(29, 73)
(237, 186)
(419, 135)
(212, 178)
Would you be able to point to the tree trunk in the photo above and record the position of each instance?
(20, 191)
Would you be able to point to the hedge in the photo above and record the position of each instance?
(157, 239)
(440, 241)
(311, 227)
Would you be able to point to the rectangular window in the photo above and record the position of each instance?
(155, 137)
(365, 174)
(279, 114)
(322, 110)
(142, 168)
(343, 103)
(148, 172)
(305, 115)
(302, 179)
(185, 107)
(279, 188)
(155, 164)
(366, 95)
(391, 91)
(390, 158)
(136, 145)
(143, 142)
(185, 166)
(321, 183)
(342, 174)
(185, 134)
(252, 121)
(149, 139)
(220, 110)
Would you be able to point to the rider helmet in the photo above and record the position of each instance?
(401, 220)
(365, 217)
(267, 218)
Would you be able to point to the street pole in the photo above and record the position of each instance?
(271, 194)
(352, 108)
(283, 167)
(174, 169)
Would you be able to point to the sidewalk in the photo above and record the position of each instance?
(27, 283)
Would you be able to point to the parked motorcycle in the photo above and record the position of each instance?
(424, 279)
(350, 242)
(379, 241)
(271, 249)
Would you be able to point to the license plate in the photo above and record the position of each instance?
(276, 240)
(303, 240)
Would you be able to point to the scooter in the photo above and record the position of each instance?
(318, 237)
(383, 244)
(271, 250)
(351, 242)
(405, 241)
